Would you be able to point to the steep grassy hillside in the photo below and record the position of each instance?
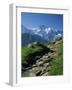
(30, 52)
(43, 60)
(57, 62)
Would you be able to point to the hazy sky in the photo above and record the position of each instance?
(33, 20)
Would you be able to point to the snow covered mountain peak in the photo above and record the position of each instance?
(46, 32)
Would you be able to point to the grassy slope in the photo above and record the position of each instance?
(28, 53)
(56, 68)
(57, 62)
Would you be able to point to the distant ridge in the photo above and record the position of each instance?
(43, 34)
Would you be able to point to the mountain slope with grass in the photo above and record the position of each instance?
(42, 60)
(28, 39)
(56, 67)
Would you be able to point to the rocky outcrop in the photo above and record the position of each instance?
(44, 61)
(40, 68)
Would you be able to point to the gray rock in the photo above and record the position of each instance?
(40, 63)
(38, 73)
(45, 74)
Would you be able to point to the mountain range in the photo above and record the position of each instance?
(42, 34)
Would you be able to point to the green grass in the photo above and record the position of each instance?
(29, 53)
(57, 63)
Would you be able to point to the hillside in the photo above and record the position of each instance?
(42, 60)
(28, 39)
